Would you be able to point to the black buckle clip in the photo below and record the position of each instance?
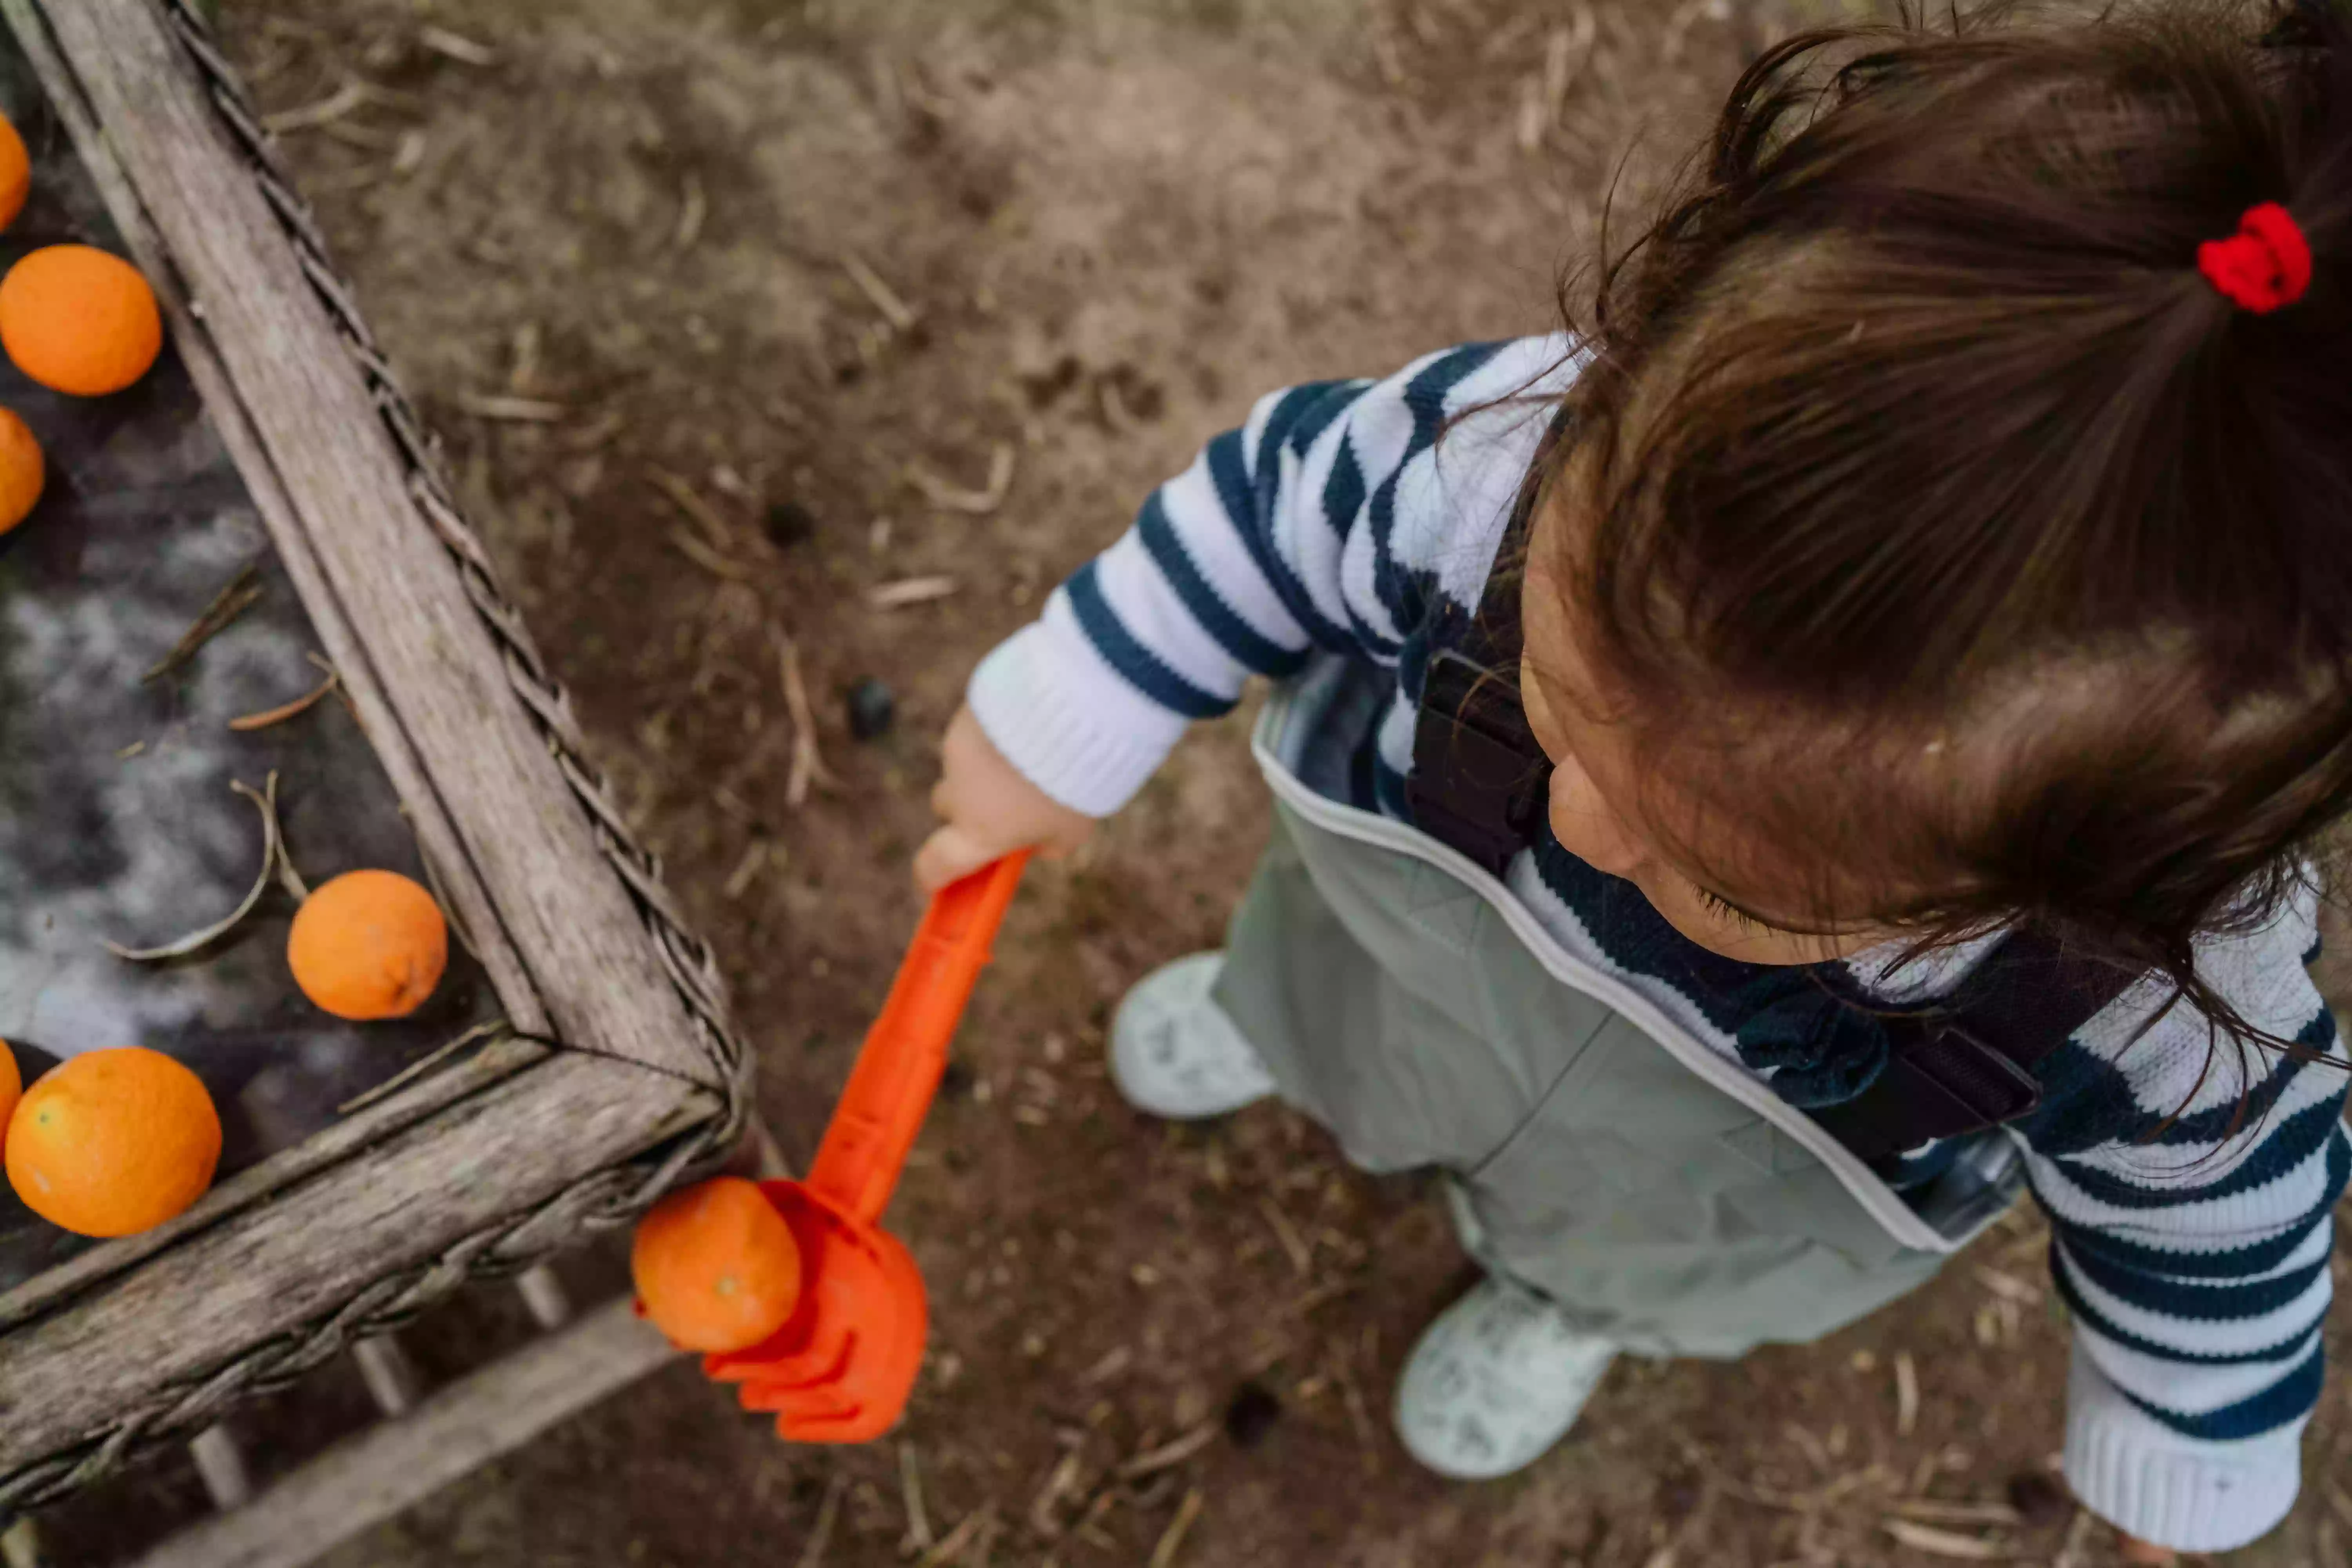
(1479, 782)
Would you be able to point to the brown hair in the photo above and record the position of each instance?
(2000, 566)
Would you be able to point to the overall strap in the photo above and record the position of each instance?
(1970, 1062)
(1479, 782)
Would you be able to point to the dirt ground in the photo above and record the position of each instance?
(822, 272)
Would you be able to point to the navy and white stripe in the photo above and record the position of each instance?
(2189, 1206)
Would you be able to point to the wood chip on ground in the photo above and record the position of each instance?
(457, 47)
(910, 591)
(980, 1521)
(1947, 1543)
(949, 497)
(510, 409)
(920, 1536)
(1172, 1541)
(1169, 1455)
(884, 299)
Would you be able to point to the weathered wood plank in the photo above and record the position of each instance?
(316, 1244)
(370, 1478)
(342, 1142)
(383, 571)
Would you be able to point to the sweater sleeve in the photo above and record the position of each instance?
(1312, 527)
(2191, 1236)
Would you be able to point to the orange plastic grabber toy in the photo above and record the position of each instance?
(844, 1365)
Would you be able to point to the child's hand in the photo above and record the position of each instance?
(989, 810)
(2138, 1551)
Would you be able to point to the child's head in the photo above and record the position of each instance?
(1933, 541)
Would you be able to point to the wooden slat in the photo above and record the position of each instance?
(85, 1271)
(384, 573)
(370, 1478)
(316, 1246)
(220, 1464)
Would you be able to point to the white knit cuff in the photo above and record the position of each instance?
(2151, 1481)
(1059, 713)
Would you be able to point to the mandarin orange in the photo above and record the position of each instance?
(23, 471)
(15, 173)
(12, 1089)
(716, 1266)
(369, 944)
(79, 320)
(113, 1142)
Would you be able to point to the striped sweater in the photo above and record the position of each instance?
(2192, 1248)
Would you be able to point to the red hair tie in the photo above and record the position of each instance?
(2264, 265)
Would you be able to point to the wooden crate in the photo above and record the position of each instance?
(596, 1065)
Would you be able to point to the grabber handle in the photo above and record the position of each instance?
(897, 1070)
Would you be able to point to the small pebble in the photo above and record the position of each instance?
(871, 707)
(1251, 1414)
(787, 523)
(2039, 1497)
(956, 1079)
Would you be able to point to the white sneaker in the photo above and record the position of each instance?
(1495, 1382)
(1173, 1052)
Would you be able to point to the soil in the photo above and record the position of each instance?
(815, 266)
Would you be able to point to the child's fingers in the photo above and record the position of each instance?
(950, 853)
(2140, 1551)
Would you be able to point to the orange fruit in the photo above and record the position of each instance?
(79, 320)
(12, 1089)
(369, 944)
(22, 471)
(15, 173)
(716, 1266)
(113, 1142)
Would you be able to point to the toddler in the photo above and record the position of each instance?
(1846, 734)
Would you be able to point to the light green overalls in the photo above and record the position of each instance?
(1657, 1192)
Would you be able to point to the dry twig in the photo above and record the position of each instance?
(1944, 1542)
(910, 591)
(813, 1555)
(1294, 1246)
(506, 406)
(1044, 1516)
(948, 497)
(422, 1065)
(980, 1520)
(895, 311)
(2078, 1535)
(1906, 1395)
(699, 512)
(747, 870)
(354, 94)
(267, 804)
(457, 47)
(709, 560)
(1172, 1541)
(288, 877)
(300, 705)
(920, 1536)
(808, 767)
(1930, 1511)
(1168, 1456)
(693, 207)
(227, 605)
